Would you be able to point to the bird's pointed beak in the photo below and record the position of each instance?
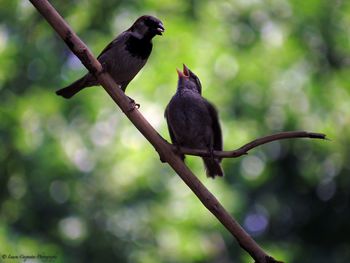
(160, 29)
(180, 74)
(186, 71)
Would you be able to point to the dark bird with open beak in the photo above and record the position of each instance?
(193, 121)
(124, 57)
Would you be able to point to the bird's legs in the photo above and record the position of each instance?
(133, 104)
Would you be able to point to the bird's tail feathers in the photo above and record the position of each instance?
(76, 86)
(213, 167)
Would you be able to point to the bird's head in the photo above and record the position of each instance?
(189, 80)
(193, 77)
(147, 27)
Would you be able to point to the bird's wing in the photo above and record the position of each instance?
(108, 47)
(171, 133)
(115, 41)
(217, 144)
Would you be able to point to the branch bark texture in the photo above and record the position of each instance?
(164, 149)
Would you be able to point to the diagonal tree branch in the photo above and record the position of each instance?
(255, 143)
(164, 149)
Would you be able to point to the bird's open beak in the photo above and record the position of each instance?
(186, 71)
(180, 74)
(160, 29)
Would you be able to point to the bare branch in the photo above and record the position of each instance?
(255, 143)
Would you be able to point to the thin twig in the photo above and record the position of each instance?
(255, 143)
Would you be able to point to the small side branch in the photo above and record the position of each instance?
(255, 143)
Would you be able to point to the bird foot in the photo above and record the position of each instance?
(104, 67)
(177, 151)
(133, 105)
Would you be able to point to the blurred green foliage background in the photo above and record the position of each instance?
(79, 181)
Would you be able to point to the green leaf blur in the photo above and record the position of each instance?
(79, 182)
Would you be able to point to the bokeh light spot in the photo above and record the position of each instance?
(72, 228)
(252, 167)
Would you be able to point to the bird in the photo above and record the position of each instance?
(124, 57)
(193, 121)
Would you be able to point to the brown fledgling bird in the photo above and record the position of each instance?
(124, 57)
(193, 121)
